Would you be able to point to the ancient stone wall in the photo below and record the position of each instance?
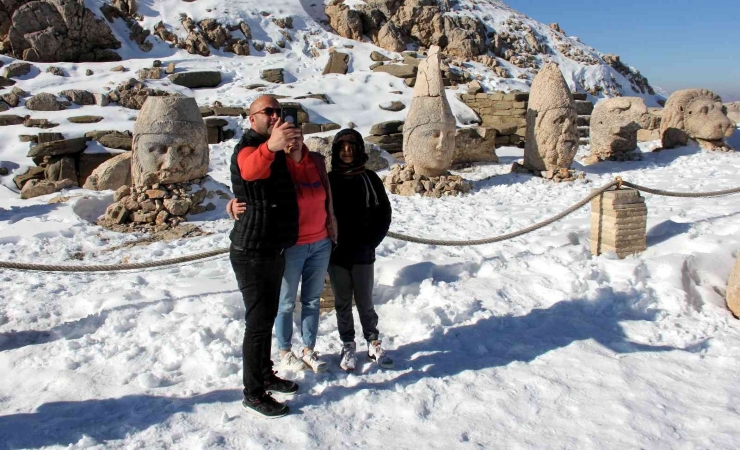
(505, 112)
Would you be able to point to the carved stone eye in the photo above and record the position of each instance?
(158, 149)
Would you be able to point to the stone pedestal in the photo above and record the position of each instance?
(618, 221)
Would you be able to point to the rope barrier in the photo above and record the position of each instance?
(618, 182)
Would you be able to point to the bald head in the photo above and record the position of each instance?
(259, 119)
(262, 102)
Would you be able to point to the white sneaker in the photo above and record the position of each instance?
(349, 357)
(290, 361)
(311, 358)
(377, 354)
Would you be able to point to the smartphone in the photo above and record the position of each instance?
(290, 114)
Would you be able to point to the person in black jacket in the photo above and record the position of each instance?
(363, 215)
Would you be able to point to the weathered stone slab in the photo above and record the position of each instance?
(64, 147)
(194, 80)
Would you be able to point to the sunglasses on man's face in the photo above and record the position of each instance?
(269, 112)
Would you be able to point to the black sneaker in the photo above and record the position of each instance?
(265, 406)
(273, 383)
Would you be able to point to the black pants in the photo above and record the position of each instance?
(258, 275)
(345, 283)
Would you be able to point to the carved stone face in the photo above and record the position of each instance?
(552, 136)
(614, 125)
(556, 141)
(429, 146)
(168, 158)
(170, 143)
(706, 119)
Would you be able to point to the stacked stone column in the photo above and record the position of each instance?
(618, 222)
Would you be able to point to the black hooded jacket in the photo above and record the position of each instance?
(361, 206)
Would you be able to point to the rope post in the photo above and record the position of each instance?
(618, 223)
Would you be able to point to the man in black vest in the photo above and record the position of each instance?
(260, 178)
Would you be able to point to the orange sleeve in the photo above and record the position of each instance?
(254, 162)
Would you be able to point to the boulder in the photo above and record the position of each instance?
(61, 168)
(475, 144)
(696, 114)
(116, 140)
(338, 63)
(391, 37)
(392, 106)
(56, 71)
(62, 147)
(78, 96)
(37, 188)
(377, 56)
(5, 82)
(11, 99)
(54, 30)
(33, 173)
(10, 119)
(44, 102)
(17, 70)
(195, 80)
(398, 70)
(88, 162)
(152, 73)
(112, 174)
(345, 21)
(552, 136)
(85, 119)
(273, 75)
(389, 127)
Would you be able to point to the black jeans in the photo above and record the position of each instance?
(358, 281)
(258, 275)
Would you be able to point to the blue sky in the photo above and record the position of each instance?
(676, 44)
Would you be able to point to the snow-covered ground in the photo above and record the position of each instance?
(530, 343)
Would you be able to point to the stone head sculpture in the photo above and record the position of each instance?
(429, 130)
(552, 137)
(695, 114)
(614, 126)
(170, 142)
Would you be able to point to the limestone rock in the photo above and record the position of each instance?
(33, 173)
(614, 126)
(85, 119)
(37, 188)
(78, 97)
(389, 127)
(152, 73)
(398, 70)
(429, 130)
(345, 21)
(5, 82)
(10, 119)
(195, 80)
(88, 162)
(11, 99)
(120, 141)
(552, 137)
(475, 144)
(57, 71)
(170, 142)
(378, 57)
(56, 30)
(17, 70)
(272, 75)
(58, 147)
(44, 102)
(338, 63)
(392, 106)
(695, 114)
(61, 168)
(112, 174)
(391, 37)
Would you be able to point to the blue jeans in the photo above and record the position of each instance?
(309, 262)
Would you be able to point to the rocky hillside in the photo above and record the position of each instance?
(483, 39)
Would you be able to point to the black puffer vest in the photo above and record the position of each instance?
(271, 219)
